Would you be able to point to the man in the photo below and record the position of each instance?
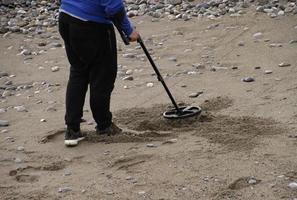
(90, 43)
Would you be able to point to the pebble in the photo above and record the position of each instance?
(4, 131)
(258, 35)
(195, 94)
(275, 45)
(64, 189)
(241, 44)
(252, 181)
(4, 123)
(151, 145)
(268, 72)
(248, 79)
(128, 78)
(128, 178)
(284, 65)
(150, 85)
(110, 193)
(293, 185)
(173, 59)
(141, 192)
(67, 173)
(129, 55)
(20, 109)
(20, 148)
(129, 72)
(7, 93)
(43, 120)
(171, 141)
(2, 110)
(55, 69)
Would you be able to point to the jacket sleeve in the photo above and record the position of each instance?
(115, 9)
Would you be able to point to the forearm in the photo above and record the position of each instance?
(116, 11)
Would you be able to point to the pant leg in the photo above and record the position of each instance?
(81, 49)
(102, 78)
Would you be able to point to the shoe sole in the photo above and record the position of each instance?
(72, 143)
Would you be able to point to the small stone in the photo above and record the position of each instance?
(151, 145)
(7, 93)
(234, 67)
(67, 174)
(173, 59)
(284, 65)
(281, 13)
(150, 85)
(51, 109)
(293, 185)
(128, 78)
(268, 72)
(20, 109)
(257, 67)
(258, 35)
(129, 72)
(4, 131)
(4, 123)
(55, 69)
(171, 141)
(248, 79)
(110, 193)
(43, 120)
(195, 94)
(252, 181)
(241, 44)
(129, 55)
(141, 192)
(275, 45)
(2, 110)
(55, 45)
(20, 148)
(293, 42)
(128, 178)
(64, 189)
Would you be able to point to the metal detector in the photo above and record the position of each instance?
(177, 112)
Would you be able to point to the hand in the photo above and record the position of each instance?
(134, 35)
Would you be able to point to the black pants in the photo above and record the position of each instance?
(92, 54)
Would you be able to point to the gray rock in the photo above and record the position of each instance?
(20, 109)
(4, 123)
(20, 148)
(173, 59)
(292, 185)
(4, 131)
(284, 65)
(129, 55)
(128, 78)
(258, 35)
(2, 110)
(195, 94)
(248, 79)
(55, 68)
(64, 189)
(268, 72)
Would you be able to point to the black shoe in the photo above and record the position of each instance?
(72, 138)
(111, 130)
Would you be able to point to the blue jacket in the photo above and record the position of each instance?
(97, 11)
